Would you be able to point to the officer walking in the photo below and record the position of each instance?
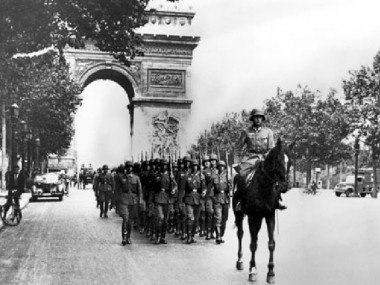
(129, 187)
(182, 178)
(105, 185)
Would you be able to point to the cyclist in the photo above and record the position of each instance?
(15, 180)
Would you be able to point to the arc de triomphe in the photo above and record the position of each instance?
(156, 83)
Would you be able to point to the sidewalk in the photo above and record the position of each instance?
(24, 201)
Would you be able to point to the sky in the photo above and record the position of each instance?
(249, 48)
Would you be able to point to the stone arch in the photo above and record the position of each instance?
(113, 72)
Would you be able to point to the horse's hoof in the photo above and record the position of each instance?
(252, 277)
(239, 265)
(270, 279)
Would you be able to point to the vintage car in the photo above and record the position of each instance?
(48, 185)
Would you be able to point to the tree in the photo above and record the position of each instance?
(362, 92)
(46, 95)
(316, 126)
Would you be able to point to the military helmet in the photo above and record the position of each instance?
(137, 163)
(164, 161)
(257, 113)
(206, 158)
(221, 163)
(151, 162)
(105, 167)
(175, 164)
(145, 162)
(128, 163)
(157, 161)
(213, 157)
(187, 158)
(179, 161)
(194, 162)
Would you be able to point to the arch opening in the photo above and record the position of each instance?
(102, 123)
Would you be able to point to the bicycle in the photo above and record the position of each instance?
(13, 216)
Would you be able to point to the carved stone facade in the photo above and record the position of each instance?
(156, 83)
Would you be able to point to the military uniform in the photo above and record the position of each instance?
(163, 192)
(105, 185)
(182, 178)
(209, 173)
(143, 206)
(129, 187)
(151, 178)
(221, 202)
(195, 185)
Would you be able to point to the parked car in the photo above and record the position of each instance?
(48, 185)
(347, 187)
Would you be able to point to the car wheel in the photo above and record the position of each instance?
(362, 194)
(60, 198)
(337, 194)
(347, 193)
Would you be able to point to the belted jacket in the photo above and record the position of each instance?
(256, 140)
(194, 186)
(105, 182)
(221, 191)
(129, 187)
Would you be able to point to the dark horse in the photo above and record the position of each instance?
(259, 200)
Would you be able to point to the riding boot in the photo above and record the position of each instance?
(101, 209)
(192, 235)
(123, 235)
(217, 231)
(189, 233)
(158, 233)
(184, 230)
(129, 229)
(202, 226)
(163, 235)
(222, 230)
(208, 234)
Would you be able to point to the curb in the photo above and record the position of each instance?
(26, 198)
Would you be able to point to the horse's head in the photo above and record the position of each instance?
(277, 164)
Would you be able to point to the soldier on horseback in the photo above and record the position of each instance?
(258, 141)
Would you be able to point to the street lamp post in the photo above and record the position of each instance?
(357, 149)
(37, 160)
(29, 137)
(14, 118)
(24, 130)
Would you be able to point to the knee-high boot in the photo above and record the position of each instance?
(190, 231)
(123, 234)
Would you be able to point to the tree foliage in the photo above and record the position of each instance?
(46, 96)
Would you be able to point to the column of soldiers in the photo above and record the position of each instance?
(184, 198)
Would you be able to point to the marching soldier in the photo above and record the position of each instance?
(95, 186)
(150, 198)
(221, 201)
(182, 178)
(194, 188)
(129, 187)
(177, 213)
(143, 206)
(209, 204)
(106, 185)
(164, 189)
(173, 201)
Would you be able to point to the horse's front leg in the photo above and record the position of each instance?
(239, 217)
(254, 228)
(271, 221)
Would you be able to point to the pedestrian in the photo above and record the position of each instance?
(258, 141)
(194, 188)
(221, 201)
(129, 188)
(105, 185)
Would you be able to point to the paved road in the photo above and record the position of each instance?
(322, 240)
(67, 243)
